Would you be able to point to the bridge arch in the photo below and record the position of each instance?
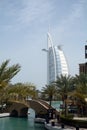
(39, 106)
(14, 113)
(24, 112)
(20, 109)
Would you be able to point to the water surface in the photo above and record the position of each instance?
(9, 123)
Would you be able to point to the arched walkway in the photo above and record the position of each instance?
(20, 109)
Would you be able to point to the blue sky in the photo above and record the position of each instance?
(23, 34)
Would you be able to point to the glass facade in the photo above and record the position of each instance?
(57, 63)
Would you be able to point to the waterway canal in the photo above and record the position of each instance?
(9, 123)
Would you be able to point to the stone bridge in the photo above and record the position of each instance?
(39, 106)
(20, 109)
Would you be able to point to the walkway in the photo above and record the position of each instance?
(58, 127)
(54, 125)
(4, 115)
(49, 126)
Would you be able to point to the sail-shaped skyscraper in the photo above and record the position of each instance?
(56, 61)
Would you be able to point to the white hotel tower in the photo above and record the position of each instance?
(56, 61)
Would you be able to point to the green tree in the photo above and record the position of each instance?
(22, 91)
(64, 86)
(49, 91)
(80, 93)
(81, 84)
(6, 74)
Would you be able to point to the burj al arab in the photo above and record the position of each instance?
(56, 61)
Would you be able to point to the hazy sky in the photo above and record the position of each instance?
(23, 34)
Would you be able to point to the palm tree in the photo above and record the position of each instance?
(22, 91)
(49, 91)
(6, 74)
(81, 92)
(81, 83)
(64, 85)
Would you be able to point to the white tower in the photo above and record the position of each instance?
(56, 61)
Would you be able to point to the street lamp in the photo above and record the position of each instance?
(85, 58)
(86, 105)
(85, 51)
(86, 99)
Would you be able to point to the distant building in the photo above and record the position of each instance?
(83, 68)
(85, 51)
(57, 63)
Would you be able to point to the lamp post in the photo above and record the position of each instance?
(85, 51)
(85, 58)
(86, 105)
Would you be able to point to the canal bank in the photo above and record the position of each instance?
(4, 115)
(49, 126)
(11, 123)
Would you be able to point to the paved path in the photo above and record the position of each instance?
(58, 127)
(73, 128)
(4, 114)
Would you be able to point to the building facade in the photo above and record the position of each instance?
(56, 61)
(83, 68)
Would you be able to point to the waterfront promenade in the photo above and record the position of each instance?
(54, 125)
(58, 127)
(4, 115)
(48, 126)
